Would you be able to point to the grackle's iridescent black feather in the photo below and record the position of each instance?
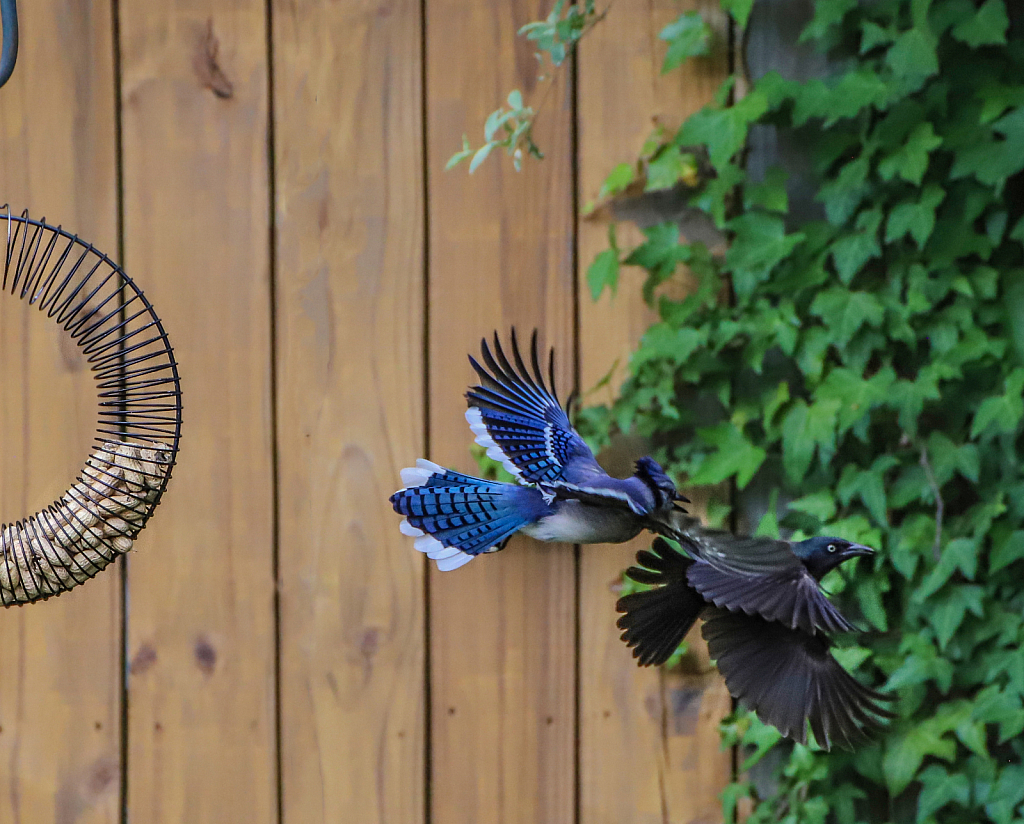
(765, 621)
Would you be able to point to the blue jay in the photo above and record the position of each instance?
(562, 493)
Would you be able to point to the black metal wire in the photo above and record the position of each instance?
(139, 424)
(9, 56)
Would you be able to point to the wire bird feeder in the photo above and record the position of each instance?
(139, 427)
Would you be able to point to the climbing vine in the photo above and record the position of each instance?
(868, 364)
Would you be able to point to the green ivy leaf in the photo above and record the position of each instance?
(820, 504)
(857, 395)
(1005, 797)
(845, 312)
(910, 160)
(603, 272)
(687, 36)
(1001, 413)
(668, 167)
(850, 253)
(946, 612)
(959, 554)
(833, 101)
(618, 179)
(826, 16)
(868, 485)
(723, 130)
(904, 755)
(913, 57)
(660, 254)
(921, 662)
(938, 789)
(760, 243)
(992, 160)
(739, 9)
(805, 429)
(734, 455)
(663, 342)
(1006, 551)
(874, 35)
(916, 218)
(770, 194)
(986, 28)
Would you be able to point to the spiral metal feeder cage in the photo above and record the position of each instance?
(126, 347)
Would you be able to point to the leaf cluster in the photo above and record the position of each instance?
(555, 37)
(869, 364)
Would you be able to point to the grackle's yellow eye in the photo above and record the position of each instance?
(831, 547)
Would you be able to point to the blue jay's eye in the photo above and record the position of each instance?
(831, 547)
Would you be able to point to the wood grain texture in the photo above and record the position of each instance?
(350, 408)
(649, 751)
(201, 622)
(60, 682)
(502, 627)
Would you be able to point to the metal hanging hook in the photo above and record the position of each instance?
(9, 13)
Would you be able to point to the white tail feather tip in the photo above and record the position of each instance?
(408, 529)
(448, 564)
(415, 477)
(447, 552)
(427, 544)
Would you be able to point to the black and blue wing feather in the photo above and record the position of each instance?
(520, 421)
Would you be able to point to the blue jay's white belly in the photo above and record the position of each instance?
(573, 522)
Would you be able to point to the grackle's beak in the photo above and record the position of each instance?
(855, 550)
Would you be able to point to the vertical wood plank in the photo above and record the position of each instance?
(350, 399)
(201, 623)
(649, 750)
(502, 627)
(60, 683)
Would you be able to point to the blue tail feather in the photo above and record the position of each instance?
(448, 509)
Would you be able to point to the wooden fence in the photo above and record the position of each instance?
(271, 174)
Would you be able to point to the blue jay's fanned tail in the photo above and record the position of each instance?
(455, 517)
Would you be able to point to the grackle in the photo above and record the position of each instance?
(766, 621)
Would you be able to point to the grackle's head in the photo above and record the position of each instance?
(824, 553)
(650, 472)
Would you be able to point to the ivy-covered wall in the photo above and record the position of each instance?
(869, 366)
(863, 359)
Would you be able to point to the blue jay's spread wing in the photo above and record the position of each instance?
(520, 422)
(656, 620)
(789, 678)
(760, 576)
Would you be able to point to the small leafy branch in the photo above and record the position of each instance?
(512, 129)
(556, 38)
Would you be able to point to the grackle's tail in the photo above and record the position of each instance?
(455, 517)
(656, 620)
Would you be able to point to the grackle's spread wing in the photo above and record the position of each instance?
(789, 678)
(520, 422)
(656, 620)
(760, 576)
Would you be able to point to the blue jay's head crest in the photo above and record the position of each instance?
(650, 472)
